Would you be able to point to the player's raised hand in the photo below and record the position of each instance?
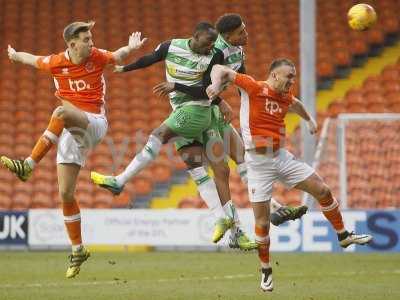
(164, 88)
(312, 126)
(118, 69)
(12, 54)
(135, 41)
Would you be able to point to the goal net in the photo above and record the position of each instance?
(358, 155)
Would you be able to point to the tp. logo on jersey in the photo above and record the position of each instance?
(272, 107)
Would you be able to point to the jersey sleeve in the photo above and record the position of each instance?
(106, 57)
(247, 83)
(159, 54)
(45, 63)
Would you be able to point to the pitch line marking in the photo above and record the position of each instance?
(205, 278)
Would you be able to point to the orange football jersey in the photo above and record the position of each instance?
(262, 113)
(83, 85)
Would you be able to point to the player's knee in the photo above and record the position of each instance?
(161, 133)
(262, 222)
(324, 192)
(221, 170)
(66, 194)
(192, 162)
(59, 112)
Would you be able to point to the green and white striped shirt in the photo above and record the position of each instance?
(186, 67)
(233, 55)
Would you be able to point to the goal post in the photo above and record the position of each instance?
(358, 155)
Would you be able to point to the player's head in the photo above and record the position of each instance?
(204, 37)
(232, 28)
(78, 37)
(282, 74)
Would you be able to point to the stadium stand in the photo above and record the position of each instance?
(26, 96)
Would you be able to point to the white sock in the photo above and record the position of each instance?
(148, 154)
(242, 171)
(265, 265)
(76, 247)
(208, 191)
(30, 162)
(230, 211)
(274, 205)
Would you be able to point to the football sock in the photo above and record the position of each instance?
(46, 141)
(242, 171)
(262, 239)
(149, 152)
(230, 211)
(274, 205)
(330, 209)
(208, 191)
(72, 220)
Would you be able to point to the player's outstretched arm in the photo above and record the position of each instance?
(145, 61)
(220, 76)
(135, 42)
(22, 57)
(299, 108)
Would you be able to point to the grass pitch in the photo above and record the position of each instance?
(193, 275)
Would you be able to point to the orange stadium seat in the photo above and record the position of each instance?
(129, 95)
(5, 202)
(21, 201)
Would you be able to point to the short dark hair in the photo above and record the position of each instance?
(228, 22)
(203, 26)
(72, 30)
(280, 62)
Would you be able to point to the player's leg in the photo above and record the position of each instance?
(261, 174)
(215, 152)
(67, 175)
(279, 213)
(62, 117)
(72, 151)
(315, 186)
(187, 121)
(150, 151)
(297, 174)
(261, 212)
(193, 156)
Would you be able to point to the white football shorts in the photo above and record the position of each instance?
(263, 171)
(75, 143)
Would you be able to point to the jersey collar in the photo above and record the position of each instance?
(66, 54)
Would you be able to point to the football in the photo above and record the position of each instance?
(361, 17)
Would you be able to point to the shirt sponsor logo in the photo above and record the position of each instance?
(78, 85)
(272, 107)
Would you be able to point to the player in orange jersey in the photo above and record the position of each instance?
(78, 124)
(263, 108)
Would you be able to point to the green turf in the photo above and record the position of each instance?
(180, 275)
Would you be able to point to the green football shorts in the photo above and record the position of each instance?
(189, 122)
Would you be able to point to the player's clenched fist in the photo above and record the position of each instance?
(12, 54)
(213, 91)
(312, 126)
(118, 69)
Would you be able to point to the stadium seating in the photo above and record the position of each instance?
(26, 96)
(372, 181)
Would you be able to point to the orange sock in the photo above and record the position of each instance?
(330, 209)
(72, 220)
(262, 239)
(49, 137)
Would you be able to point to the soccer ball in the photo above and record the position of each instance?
(361, 17)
